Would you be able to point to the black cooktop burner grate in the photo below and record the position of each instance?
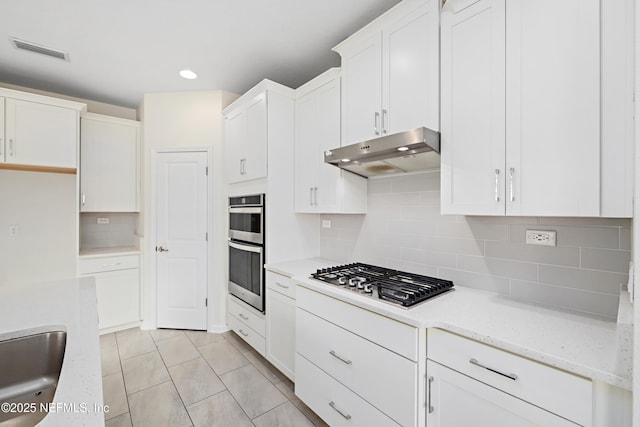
(397, 287)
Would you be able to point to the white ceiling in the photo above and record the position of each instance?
(121, 49)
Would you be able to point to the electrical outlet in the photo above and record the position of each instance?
(326, 223)
(103, 220)
(541, 237)
(14, 230)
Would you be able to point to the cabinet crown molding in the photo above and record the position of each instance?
(265, 85)
(49, 100)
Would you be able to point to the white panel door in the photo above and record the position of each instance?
(362, 91)
(410, 77)
(473, 107)
(553, 107)
(40, 134)
(456, 400)
(181, 251)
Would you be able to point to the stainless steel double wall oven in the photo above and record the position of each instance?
(246, 249)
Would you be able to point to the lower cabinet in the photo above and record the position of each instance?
(281, 326)
(118, 290)
(247, 322)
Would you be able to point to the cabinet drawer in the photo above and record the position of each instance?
(383, 378)
(282, 284)
(557, 391)
(388, 333)
(246, 333)
(247, 316)
(333, 402)
(111, 263)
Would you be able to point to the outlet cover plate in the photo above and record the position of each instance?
(541, 237)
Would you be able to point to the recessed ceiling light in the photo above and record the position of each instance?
(188, 74)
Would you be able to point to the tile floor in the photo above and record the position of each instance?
(190, 378)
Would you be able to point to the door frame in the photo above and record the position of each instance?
(152, 298)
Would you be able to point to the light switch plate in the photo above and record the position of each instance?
(103, 220)
(14, 230)
(326, 223)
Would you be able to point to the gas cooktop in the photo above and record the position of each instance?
(392, 286)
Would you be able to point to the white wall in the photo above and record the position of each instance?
(44, 206)
(187, 120)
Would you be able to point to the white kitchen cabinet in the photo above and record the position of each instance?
(457, 400)
(522, 117)
(320, 187)
(248, 323)
(118, 289)
(390, 73)
(360, 360)
(246, 138)
(280, 316)
(38, 132)
(492, 383)
(109, 164)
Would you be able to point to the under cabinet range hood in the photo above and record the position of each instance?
(412, 150)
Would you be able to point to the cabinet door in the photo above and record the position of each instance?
(362, 91)
(2, 138)
(473, 107)
(118, 297)
(41, 135)
(235, 137)
(457, 400)
(306, 151)
(255, 165)
(327, 194)
(553, 107)
(281, 331)
(109, 166)
(411, 72)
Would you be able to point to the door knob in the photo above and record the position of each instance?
(161, 249)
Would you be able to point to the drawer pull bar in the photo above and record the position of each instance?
(243, 316)
(343, 360)
(282, 286)
(111, 265)
(243, 333)
(345, 416)
(430, 406)
(474, 361)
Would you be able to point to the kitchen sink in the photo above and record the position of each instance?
(29, 371)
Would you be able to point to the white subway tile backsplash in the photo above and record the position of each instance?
(404, 229)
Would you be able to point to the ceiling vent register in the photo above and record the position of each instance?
(38, 48)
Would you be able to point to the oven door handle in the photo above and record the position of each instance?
(248, 248)
(256, 210)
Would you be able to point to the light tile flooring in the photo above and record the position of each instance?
(190, 378)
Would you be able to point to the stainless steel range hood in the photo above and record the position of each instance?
(413, 150)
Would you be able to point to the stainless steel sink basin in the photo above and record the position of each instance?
(29, 372)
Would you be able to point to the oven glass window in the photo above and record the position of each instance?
(245, 269)
(248, 222)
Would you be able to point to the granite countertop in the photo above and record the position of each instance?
(591, 347)
(68, 305)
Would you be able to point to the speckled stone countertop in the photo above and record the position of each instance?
(591, 347)
(68, 305)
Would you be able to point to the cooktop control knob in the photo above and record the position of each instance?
(342, 281)
(368, 289)
(353, 282)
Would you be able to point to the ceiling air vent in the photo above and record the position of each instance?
(38, 48)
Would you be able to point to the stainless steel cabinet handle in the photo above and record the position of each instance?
(243, 316)
(244, 334)
(376, 123)
(342, 359)
(111, 265)
(282, 286)
(497, 191)
(344, 415)
(474, 361)
(84, 199)
(429, 405)
(385, 115)
(311, 196)
(315, 196)
(511, 196)
(12, 149)
(1, 148)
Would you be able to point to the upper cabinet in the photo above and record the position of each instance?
(390, 73)
(109, 164)
(527, 127)
(38, 132)
(320, 187)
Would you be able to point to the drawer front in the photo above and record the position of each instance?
(282, 284)
(383, 378)
(246, 333)
(247, 316)
(395, 336)
(333, 402)
(112, 263)
(557, 391)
